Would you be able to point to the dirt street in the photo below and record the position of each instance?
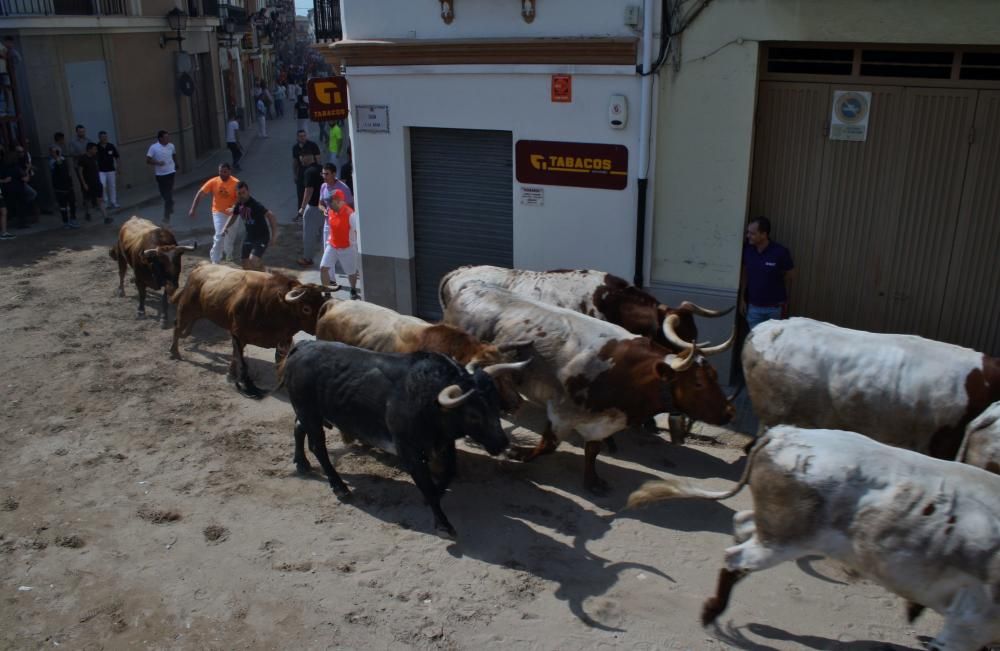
(145, 504)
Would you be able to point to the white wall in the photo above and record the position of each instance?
(705, 130)
(575, 227)
(374, 19)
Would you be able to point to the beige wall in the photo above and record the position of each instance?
(706, 109)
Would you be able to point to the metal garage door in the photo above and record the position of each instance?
(463, 205)
(898, 233)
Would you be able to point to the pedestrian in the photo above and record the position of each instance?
(222, 189)
(261, 117)
(26, 169)
(279, 101)
(13, 181)
(332, 182)
(342, 245)
(334, 140)
(4, 234)
(304, 153)
(107, 163)
(261, 227)
(768, 273)
(302, 112)
(90, 181)
(309, 210)
(77, 148)
(60, 170)
(233, 141)
(162, 157)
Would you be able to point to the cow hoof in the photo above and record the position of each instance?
(120, 293)
(710, 611)
(303, 468)
(175, 355)
(250, 391)
(163, 325)
(343, 494)
(140, 315)
(446, 531)
(598, 487)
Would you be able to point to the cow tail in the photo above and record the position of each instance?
(113, 252)
(665, 489)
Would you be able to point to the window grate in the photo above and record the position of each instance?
(810, 61)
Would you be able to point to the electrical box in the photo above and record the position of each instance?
(633, 16)
(618, 112)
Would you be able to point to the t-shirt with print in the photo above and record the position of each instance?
(253, 214)
(162, 154)
(223, 192)
(312, 177)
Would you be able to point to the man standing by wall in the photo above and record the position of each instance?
(233, 141)
(222, 189)
(76, 149)
(767, 275)
(90, 181)
(163, 158)
(107, 163)
(261, 117)
(312, 215)
(304, 152)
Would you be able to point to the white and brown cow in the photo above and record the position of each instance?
(597, 294)
(925, 529)
(373, 327)
(981, 447)
(901, 390)
(592, 376)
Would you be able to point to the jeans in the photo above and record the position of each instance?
(312, 227)
(110, 187)
(237, 153)
(757, 315)
(166, 184)
(221, 244)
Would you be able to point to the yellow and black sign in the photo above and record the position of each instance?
(327, 98)
(576, 164)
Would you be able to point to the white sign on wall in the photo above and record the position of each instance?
(849, 119)
(372, 118)
(532, 196)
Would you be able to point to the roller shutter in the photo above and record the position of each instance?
(462, 182)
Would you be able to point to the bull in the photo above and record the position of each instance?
(592, 376)
(380, 329)
(155, 257)
(926, 529)
(257, 308)
(901, 390)
(414, 406)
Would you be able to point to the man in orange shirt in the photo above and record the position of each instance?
(222, 189)
(343, 243)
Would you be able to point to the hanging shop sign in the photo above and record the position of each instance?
(849, 120)
(575, 164)
(327, 98)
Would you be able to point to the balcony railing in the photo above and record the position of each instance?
(326, 14)
(63, 7)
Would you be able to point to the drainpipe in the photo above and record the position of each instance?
(645, 127)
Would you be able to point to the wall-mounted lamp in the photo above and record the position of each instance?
(178, 22)
(228, 29)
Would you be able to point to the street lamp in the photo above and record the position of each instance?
(229, 31)
(178, 22)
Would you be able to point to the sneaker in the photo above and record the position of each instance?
(74, 224)
(355, 295)
(7, 236)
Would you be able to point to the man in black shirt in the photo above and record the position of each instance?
(312, 215)
(107, 164)
(62, 185)
(304, 153)
(90, 181)
(261, 227)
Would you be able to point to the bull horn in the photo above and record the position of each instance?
(670, 333)
(187, 247)
(494, 370)
(295, 295)
(148, 252)
(724, 346)
(679, 363)
(451, 396)
(331, 288)
(514, 345)
(704, 311)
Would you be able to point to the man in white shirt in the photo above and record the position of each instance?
(233, 142)
(163, 158)
(261, 118)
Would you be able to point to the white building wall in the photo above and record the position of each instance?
(705, 128)
(575, 226)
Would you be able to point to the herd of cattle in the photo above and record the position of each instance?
(911, 501)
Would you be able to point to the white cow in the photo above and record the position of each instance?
(981, 447)
(926, 529)
(901, 390)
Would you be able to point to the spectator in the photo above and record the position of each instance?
(312, 215)
(302, 112)
(334, 139)
(12, 183)
(4, 235)
(27, 171)
(60, 170)
(261, 227)
(77, 148)
(107, 163)
(330, 183)
(767, 275)
(90, 181)
(163, 158)
(233, 141)
(304, 153)
(222, 189)
(261, 117)
(279, 101)
(342, 245)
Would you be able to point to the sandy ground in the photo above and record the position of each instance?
(145, 504)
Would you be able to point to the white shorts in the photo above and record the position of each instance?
(348, 259)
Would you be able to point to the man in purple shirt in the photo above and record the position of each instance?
(767, 275)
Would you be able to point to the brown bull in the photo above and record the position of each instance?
(377, 328)
(155, 258)
(258, 308)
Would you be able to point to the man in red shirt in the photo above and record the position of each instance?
(342, 246)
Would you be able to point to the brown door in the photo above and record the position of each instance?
(972, 298)
(203, 106)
